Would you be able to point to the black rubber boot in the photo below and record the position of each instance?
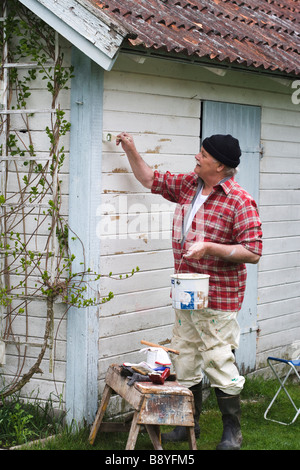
(231, 416)
(179, 432)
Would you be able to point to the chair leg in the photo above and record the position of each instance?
(282, 387)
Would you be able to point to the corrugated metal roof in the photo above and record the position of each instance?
(259, 33)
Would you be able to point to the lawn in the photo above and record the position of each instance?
(258, 434)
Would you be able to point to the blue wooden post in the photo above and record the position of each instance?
(84, 198)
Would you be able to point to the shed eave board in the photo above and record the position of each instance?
(81, 27)
(220, 67)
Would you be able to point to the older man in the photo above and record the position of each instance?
(219, 233)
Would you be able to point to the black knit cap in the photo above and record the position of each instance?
(224, 148)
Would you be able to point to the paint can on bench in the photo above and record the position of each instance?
(189, 291)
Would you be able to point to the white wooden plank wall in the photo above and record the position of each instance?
(135, 228)
(48, 381)
(159, 103)
(279, 275)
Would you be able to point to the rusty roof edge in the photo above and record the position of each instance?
(273, 48)
(194, 59)
(107, 19)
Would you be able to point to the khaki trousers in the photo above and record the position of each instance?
(205, 339)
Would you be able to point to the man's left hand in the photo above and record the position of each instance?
(196, 251)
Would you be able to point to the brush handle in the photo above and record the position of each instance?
(159, 346)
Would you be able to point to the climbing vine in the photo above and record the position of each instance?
(35, 257)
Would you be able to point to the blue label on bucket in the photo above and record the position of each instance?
(188, 301)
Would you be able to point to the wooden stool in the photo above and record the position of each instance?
(154, 405)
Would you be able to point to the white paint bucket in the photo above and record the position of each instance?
(190, 291)
(157, 357)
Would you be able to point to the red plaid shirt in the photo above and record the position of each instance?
(228, 216)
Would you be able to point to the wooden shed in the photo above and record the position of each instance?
(171, 72)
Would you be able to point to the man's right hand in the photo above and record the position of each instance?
(143, 173)
(127, 142)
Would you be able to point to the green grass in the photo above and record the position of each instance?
(258, 434)
(23, 422)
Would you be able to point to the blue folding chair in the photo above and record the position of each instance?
(293, 365)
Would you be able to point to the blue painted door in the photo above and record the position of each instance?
(244, 123)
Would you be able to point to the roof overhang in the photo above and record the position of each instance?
(253, 33)
(85, 26)
(216, 66)
(99, 34)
